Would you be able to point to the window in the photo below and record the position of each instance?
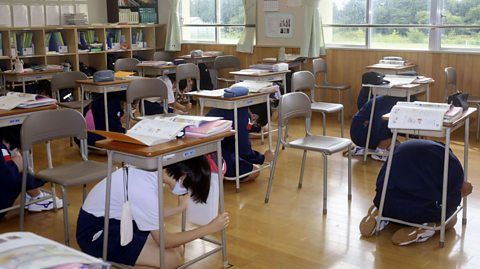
(402, 24)
(212, 21)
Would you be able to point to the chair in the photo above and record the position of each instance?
(451, 87)
(67, 80)
(186, 71)
(45, 126)
(222, 64)
(144, 88)
(303, 80)
(126, 64)
(163, 56)
(320, 67)
(294, 105)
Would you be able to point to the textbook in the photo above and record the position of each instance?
(422, 115)
(150, 132)
(23, 250)
(24, 100)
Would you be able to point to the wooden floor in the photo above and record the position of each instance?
(290, 231)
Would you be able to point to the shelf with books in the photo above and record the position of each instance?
(60, 40)
(62, 59)
(28, 42)
(90, 39)
(118, 38)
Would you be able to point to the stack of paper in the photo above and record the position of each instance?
(24, 100)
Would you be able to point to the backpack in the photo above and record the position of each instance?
(205, 79)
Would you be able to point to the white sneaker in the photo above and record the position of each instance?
(357, 151)
(380, 155)
(42, 205)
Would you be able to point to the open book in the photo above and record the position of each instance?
(22, 250)
(24, 100)
(155, 131)
(422, 115)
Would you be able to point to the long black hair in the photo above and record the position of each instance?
(197, 176)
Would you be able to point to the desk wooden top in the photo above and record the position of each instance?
(17, 111)
(205, 56)
(391, 67)
(259, 73)
(12, 73)
(107, 83)
(249, 95)
(160, 149)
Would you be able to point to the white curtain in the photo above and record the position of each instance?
(313, 44)
(174, 31)
(247, 39)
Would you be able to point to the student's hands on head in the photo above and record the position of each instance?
(170, 181)
(467, 188)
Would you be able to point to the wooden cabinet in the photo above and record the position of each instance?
(97, 44)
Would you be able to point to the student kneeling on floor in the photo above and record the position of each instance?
(188, 178)
(414, 192)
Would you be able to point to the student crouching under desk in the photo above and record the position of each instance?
(192, 176)
(249, 159)
(380, 135)
(414, 192)
(11, 166)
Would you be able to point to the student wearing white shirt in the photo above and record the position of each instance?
(143, 250)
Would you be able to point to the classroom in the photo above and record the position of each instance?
(392, 68)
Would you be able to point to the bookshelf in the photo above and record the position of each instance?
(132, 11)
(153, 36)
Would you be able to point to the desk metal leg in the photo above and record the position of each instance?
(269, 123)
(23, 85)
(221, 202)
(161, 228)
(444, 187)
(105, 104)
(385, 181)
(237, 163)
(108, 190)
(465, 166)
(370, 128)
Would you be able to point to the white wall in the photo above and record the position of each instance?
(97, 11)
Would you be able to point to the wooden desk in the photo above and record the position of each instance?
(236, 103)
(155, 158)
(389, 69)
(156, 69)
(396, 91)
(88, 85)
(444, 132)
(18, 115)
(200, 59)
(261, 75)
(293, 61)
(27, 76)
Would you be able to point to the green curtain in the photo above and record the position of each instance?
(247, 39)
(173, 40)
(313, 44)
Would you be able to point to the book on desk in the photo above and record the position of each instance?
(24, 100)
(422, 115)
(157, 130)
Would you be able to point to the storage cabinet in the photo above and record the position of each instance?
(59, 45)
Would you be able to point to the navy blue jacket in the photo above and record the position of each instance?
(115, 112)
(414, 191)
(247, 156)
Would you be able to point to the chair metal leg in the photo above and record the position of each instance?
(349, 172)
(22, 196)
(273, 165)
(478, 122)
(351, 101)
(65, 215)
(341, 122)
(300, 181)
(324, 184)
(324, 123)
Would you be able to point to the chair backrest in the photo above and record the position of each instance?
(145, 88)
(320, 67)
(65, 80)
(293, 105)
(186, 71)
(126, 64)
(226, 61)
(450, 81)
(52, 124)
(163, 56)
(303, 80)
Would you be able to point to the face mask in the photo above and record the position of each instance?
(179, 189)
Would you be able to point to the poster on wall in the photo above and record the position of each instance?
(279, 25)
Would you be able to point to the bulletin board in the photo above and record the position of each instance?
(282, 28)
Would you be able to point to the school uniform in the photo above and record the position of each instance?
(115, 112)
(414, 191)
(379, 131)
(247, 156)
(142, 194)
(11, 179)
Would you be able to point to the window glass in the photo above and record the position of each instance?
(344, 12)
(399, 38)
(465, 12)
